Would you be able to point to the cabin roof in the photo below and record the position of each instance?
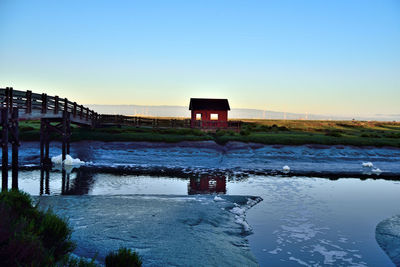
(208, 104)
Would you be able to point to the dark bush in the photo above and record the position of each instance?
(370, 135)
(220, 132)
(77, 262)
(124, 257)
(230, 133)
(112, 130)
(28, 236)
(263, 128)
(182, 131)
(245, 132)
(225, 133)
(55, 234)
(26, 128)
(348, 125)
(393, 135)
(333, 133)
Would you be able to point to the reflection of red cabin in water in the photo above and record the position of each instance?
(209, 113)
(207, 185)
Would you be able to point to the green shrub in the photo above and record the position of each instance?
(245, 132)
(283, 128)
(124, 257)
(25, 128)
(370, 135)
(393, 135)
(230, 133)
(220, 132)
(333, 133)
(55, 234)
(77, 262)
(263, 128)
(28, 236)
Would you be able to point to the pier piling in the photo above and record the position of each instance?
(4, 146)
(15, 146)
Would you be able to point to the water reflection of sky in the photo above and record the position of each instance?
(309, 221)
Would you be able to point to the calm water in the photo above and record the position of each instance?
(301, 221)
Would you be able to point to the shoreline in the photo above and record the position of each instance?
(360, 134)
(234, 159)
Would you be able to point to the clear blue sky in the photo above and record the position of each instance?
(327, 57)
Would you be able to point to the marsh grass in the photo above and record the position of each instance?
(124, 257)
(286, 132)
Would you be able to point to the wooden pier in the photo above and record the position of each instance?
(55, 114)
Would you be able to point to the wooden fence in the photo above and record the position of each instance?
(167, 123)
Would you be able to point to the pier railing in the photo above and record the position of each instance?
(34, 106)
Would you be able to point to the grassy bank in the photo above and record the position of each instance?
(286, 132)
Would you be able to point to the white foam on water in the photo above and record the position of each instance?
(301, 232)
(242, 221)
(57, 160)
(367, 164)
(331, 256)
(286, 169)
(240, 213)
(217, 198)
(377, 171)
(299, 261)
(275, 251)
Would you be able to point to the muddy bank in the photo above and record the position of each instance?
(187, 159)
(164, 230)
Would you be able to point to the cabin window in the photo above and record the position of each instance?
(214, 117)
(198, 116)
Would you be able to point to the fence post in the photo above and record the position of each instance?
(11, 99)
(65, 104)
(56, 104)
(81, 111)
(28, 102)
(15, 145)
(42, 133)
(44, 103)
(4, 167)
(7, 98)
(74, 111)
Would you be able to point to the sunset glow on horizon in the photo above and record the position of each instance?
(322, 57)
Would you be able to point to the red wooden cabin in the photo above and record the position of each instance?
(209, 113)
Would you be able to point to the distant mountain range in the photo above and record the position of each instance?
(241, 113)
